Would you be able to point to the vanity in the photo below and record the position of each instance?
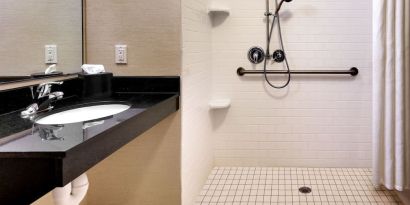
(58, 116)
(36, 158)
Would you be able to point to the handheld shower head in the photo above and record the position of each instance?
(280, 6)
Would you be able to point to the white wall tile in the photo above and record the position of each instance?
(197, 143)
(317, 121)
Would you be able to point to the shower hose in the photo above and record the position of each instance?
(276, 18)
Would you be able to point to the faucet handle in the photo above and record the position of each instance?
(48, 84)
(44, 89)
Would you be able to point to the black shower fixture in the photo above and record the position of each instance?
(278, 56)
(257, 55)
(280, 6)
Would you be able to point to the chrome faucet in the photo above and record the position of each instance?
(43, 90)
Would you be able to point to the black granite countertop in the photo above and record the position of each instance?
(34, 158)
(54, 140)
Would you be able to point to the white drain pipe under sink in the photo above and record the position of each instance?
(73, 193)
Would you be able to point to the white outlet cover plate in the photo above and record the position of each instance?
(50, 54)
(121, 54)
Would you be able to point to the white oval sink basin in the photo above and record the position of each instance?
(82, 114)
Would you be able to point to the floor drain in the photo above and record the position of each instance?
(305, 190)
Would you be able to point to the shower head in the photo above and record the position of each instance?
(280, 6)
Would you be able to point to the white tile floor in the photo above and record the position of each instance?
(262, 186)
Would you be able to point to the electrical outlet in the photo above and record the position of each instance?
(50, 54)
(121, 54)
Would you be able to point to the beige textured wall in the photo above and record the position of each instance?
(27, 26)
(146, 171)
(150, 28)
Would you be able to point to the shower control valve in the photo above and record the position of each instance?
(278, 56)
(256, 55)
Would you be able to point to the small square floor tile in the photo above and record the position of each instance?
(278, 185)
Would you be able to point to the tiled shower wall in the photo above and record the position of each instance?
(197, 147)
(318, 121)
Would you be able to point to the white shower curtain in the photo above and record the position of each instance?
(391, 94)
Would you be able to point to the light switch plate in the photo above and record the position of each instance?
(50, 54)
(121, 54)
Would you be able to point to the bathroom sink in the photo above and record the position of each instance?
(82, 114)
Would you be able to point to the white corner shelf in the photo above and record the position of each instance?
(218, 9)
(219, 104)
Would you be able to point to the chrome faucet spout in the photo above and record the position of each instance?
(30, 110)
(52, 97)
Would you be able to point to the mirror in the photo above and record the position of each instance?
(38, 33)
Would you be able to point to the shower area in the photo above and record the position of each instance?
(308, 142)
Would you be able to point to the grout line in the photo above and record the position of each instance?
(262, 185)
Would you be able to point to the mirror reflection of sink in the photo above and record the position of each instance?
(82, 114)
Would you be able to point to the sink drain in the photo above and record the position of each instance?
(305, 190)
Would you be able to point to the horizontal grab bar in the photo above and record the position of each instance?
(353, 72)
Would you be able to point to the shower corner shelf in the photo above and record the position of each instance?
(218, 10)
(220, 104)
